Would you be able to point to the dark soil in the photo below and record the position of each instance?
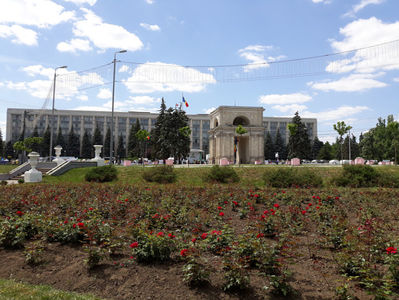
(122, 278)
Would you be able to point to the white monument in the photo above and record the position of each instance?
(58, 159)
(33, 175)
(97, 158)
(224, 142)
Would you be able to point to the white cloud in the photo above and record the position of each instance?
(209, 110)
(351, 83)
(321, 1)
(255, 54)
(67, 87)
(104, 94)
(150, 1)
(396, 79)
(124, 68)
(83, 97)
(39, 13)
(292, 108)
(148, 100)
(150, 27)
(362, 4)
(281, 99)
(19, 34)
(73, 45)
(39, 70)
(81, 2)
(332, 115)
(153, 77)
(105, 35)
(358, 34)
(139, 103)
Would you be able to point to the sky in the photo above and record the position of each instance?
(214, 52)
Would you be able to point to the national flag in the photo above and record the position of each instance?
(185, 102)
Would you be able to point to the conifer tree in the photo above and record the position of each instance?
(269, 147)
(316, 146)
(107, 142)
(46, 142)
(326, 152)
(86, 145)
(121, 151)
(73, 144)
(279, 146)
(60, 139)
(299, 143)
(133, 144)
(35, 132)
(9, 150)
(2, 146)
(97, 136)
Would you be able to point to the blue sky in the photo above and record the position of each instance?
(168, 36)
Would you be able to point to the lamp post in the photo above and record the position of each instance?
(52, 112)
(111, 146)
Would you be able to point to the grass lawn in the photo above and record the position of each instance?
(6, 168)
(10, 289)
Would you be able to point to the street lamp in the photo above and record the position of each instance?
(52, 113)
(111, 148)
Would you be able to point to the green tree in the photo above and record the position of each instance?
(45, 146)
(73, 144)
(341, 128)
(279, 146)
(316, 146)
(326, 152)
(1, 145)
(107, 142)
(97, 136)
(169, 138)
(9, 151)
(60, 139)
(133, 144)
(142, 136)
(28, 144)
(299, 143)
(35, 132)
(86, 145)
(121, 151)
(269, 147)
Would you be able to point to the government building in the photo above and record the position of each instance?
(211, 134)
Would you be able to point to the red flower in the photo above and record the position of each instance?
(337, 198)
(260, 235)
(134, 245)
(235, 203)
(194, 240)
(310, 204)
(91, 208)
(80, 224)
(303, 212)
(66, 222)
(204, 235)
(221, 214)
(225, 202)
(266, 212)
(391, 250)
(160, 233)
(171, 236)
(19, 213)
(276, 205)
(183, 252)
(220, 208)
(74, 225)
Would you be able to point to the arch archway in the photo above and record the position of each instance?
(241, 121)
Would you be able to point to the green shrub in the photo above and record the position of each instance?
(288, 177)
(222, 175)
(357, 176)
(102, 174)
(160, 174)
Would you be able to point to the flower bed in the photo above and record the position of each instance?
(254, 243)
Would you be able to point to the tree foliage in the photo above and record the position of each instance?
(269, 147)
(299, 142)
(316, 147)
(121, 151)
(133, 147)
(379, 142)
(97, 136)
(45, 146)
(341, 128)
(28, 144)
(2, 146)
(279, 146)
(86, 145)
(73, 144)
(171, 135)
(60, 139)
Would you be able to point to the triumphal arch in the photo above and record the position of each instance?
(224, 142)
